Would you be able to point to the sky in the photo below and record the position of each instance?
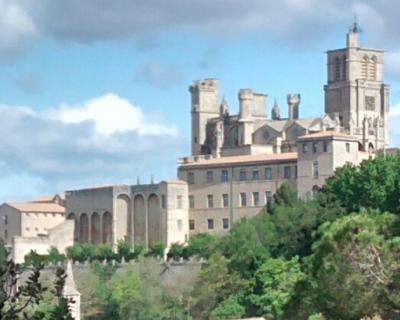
(95, 92)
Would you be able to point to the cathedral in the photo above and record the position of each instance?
(237, 161)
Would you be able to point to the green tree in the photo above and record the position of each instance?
(355, 266)
(285, 196)
(274, 286)
(55, 256)
(61, 310)
(124, 250)
(228, 309)
(104, 252)
(156, 250)
(201, 245)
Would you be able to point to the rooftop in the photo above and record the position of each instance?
(247, 159)
(327, 134)
(37, 207)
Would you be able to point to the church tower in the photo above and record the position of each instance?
(355, 94)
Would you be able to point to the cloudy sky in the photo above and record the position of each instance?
(95, 92)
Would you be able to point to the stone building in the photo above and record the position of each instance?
(238, 161)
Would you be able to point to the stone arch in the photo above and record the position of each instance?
(364, 67)
(139, 219)
(83, 228)
(371, 148)
(123, 216)
(95, 230)
(154, 219)
(72, 216)
(372, 68)
(107, 227)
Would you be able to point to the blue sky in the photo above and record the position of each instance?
(96, 92)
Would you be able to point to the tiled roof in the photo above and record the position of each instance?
(326, 134)
(392, 151)
(248, 159)
(37, 207)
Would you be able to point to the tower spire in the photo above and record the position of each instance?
(352, 35)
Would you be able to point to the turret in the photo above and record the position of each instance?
(275, 112)
(293, 101)
(352, 36)
(204, 105)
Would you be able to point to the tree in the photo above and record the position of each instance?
(61, 310)
(201, 245)
(355, 266)
(55, 256)
(228, 309)
(16, 298)
(124, 250)
(285, 196)
(274, 285)
(156, 250)
(104, 252)
(375, 183)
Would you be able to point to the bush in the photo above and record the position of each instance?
(55, 256)
(156, 250)
(35, 259)
(124, 250)
(201, 245)
(104, 252)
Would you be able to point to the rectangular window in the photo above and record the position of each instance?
(242, 175)
(163, 202)
(191, 202)
(5, 220)
(315, 147)
(225, 223)
(5, 234)
(225, 200)
(210, 201)
(286, 173)
(305, 148)
(179, 225)
(210, 224)
(256, 199)
(243, 199)
(315, 169)
(295, 171)
(210, 176)
(224, 176)
(190, 177)
(191, 224)
(255, 175)
(348, 147)
(179, 202)
(325, 146)
(268, 173)
(268, 198)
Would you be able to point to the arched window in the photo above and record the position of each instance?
(337, 68)
(372, 68)
(364, 67)
(344, 68)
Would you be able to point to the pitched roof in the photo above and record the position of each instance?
(237, 160)
(327, 134)
(37, 207)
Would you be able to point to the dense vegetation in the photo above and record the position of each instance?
(333, 257)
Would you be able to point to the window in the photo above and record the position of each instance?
(210, 224)
(256, 199)
(179, 201)
(325, 146)
(255, 175)
(191, 224)
(315, 169)
(224, 176)
(243, 199)
(295, 171)
(210, 201)
(225, 200)
(344, 68)
(195, 139)
(5, 220)
(315, 147)
(286, 173)
(210, 176)
(5, 234)
(348, 147)
(268, 198)
(315, 191)
(337, 69)
(163, 201)
(242, 175)
(225, 223)
(179, 225)
(190, 177)
(305, 147)
(191, 202)
(268, 173)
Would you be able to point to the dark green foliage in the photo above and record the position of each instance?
(55, 256)
(177, 251)
(285, 196)
(156, 250)
(104, 252)
(61, 309)
(201, 245)
(228, 309)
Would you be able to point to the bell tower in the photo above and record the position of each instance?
(355, 93)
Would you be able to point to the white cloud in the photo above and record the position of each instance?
(111, 114)
(16, 29)
(103, 140)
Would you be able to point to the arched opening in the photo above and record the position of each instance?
(84, 228)
(364, 67)
(372, 68)
(371, 148)
(154, 219)
(95, 228)
(139, 220)
(107, 227)
(72, 216)
(344, 68)
(315, 191)
(337, 68)
(123, 216)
